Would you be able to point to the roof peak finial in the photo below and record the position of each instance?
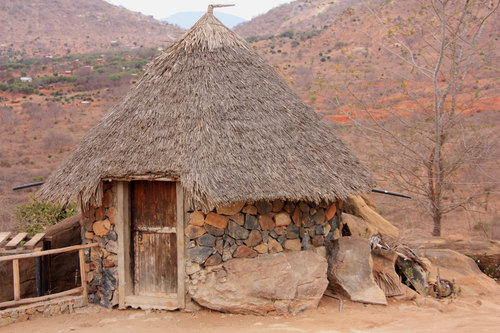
(211, 7)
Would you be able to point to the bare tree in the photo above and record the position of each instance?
(428, 148)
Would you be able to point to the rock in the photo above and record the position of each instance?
(250, 209)
(262, 248)
(282, 239)
(112, 246)
(456, 266)
(358, 227)
(282, 219)
(292, 231)
(112, 235)
(244, 252)
(213, 230)
(219, 245)
(306, 242)
(319, 230)
(200, 254)
(266, 222)
(356, 206)
(238, 218)
(232, 209)
(254, 238)
(218, 221)
(197, 218)
(213, 260)
(318, 241)
(304, 207)
(320, 216)
(384, 272)
(330, 212)
(265, 236)
(236, 231)
(307, 220)
(296, 216)
(207, 240)
(283, 283)
(280, 230)
(320, 250)
(486, 253)
(293, 244)
(99, 213)
(274, 246)
(289, 207)
(264, 207)
(193, 232)
(228, 239)
(350, 271)
(251, 222)
(192, 268)
(368, 201)
(277, 205)
(101, 228)
(111, 214)
(89, 235)
(226, 254)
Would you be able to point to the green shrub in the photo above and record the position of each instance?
(36, 216)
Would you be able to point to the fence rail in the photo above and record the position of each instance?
(16, 278)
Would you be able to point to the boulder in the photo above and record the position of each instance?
(350, 271)
(486, 253)
(358, 227)
(460, 268)
(282, 283)
(357, 206)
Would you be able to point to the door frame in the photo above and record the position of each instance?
(126, 295)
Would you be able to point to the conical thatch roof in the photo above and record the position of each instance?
(210, 111)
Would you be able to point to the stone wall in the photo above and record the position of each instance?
(245, 230)
(98, 224)
(41, 309)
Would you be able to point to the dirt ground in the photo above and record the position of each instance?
(464, 314)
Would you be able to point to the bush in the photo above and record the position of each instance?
(36, 216)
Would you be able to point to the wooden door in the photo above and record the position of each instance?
(154, 217)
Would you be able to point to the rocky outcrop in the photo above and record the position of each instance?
(370, 222)
(461, 270)
(486, 253)
(281, 283)
(350, 271)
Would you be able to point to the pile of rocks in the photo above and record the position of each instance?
(245, 230)
(98, 226)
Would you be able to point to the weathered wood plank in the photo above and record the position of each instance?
(34, 241)
(4, 236)
(40, 299)
(14, 242)
(122, 202)
(83, 274)
(47, 252)
(16, 279)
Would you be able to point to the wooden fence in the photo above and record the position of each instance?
(16, 278)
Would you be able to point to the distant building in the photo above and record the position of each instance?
(26, 79)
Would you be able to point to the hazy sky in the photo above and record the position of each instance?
(164, 8)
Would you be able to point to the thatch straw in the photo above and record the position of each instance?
(211, 112)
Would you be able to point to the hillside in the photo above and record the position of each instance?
(325, 48)
(49, 27)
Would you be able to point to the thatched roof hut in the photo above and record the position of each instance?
(210, 112)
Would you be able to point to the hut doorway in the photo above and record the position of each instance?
(152, 263)
(154, 220)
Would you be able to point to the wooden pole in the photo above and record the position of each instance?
(83, 278)
(17, 284)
